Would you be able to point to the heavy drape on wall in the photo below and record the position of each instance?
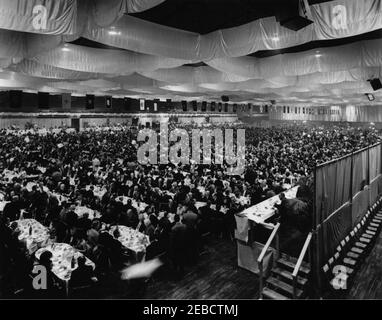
(345, 188)
(332, 188)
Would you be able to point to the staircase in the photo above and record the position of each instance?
(279, 285)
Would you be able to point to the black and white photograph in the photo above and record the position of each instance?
(191, 155)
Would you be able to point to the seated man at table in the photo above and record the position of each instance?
(283, 208)
(12, 209)
(53, 288)
(83, 275)
(84, 222)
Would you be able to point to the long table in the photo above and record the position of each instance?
(247, 251)
(264, 210)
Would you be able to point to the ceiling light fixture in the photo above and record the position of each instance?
(113, 32)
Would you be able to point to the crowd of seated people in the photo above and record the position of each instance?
(74, 164)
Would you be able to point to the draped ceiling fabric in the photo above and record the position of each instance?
(136, 57)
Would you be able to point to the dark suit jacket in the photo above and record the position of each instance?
(81, 276)
(11, 211)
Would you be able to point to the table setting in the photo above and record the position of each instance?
(80, 211)
(140, 206)
(265, 209)
(33, 233)
(64, 259)
(130, 238)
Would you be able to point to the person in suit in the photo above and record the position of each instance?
(83, 275)
(190, 219)
(12, 209)
(151, 226)
(52, 285)
(178, 245)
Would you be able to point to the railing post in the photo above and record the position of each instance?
(261, 280)
(277, 246)
(300, 259)
(261, 258)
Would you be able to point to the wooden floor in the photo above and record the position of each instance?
(368, 281)
(215, 276)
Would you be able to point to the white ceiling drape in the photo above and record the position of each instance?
(119, 62)
(149, 59)
(332, 20)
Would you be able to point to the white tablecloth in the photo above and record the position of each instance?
(60, 198)
(97, 191)
(140, 207)
(264, 210)
(92, 214)
(2, 205)
(39, 236)
(131, 238)
(62, 259)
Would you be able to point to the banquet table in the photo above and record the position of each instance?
(8, 175)
(80, 211)
(141, 206)
(131, 239)
(2, 205)
(62, 256)
(60, 198)
(39, 236)
(265, 209)
(30, 185)
(199, 204)
(97, 191)
(249, 251)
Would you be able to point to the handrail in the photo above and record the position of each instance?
(268, 243)
(299, 262)
(262, 255)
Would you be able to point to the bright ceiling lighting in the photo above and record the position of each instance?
(114, 32)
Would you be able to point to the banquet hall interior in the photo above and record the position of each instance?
(194, 149)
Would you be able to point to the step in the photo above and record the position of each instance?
(283, 287)
(273, 295)
(364, 240)
(353, 255)
(287, 276)
(368, 236)
(289, 265)
(349, 262)
(357, 250)
(349, 270)
(361, 245)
